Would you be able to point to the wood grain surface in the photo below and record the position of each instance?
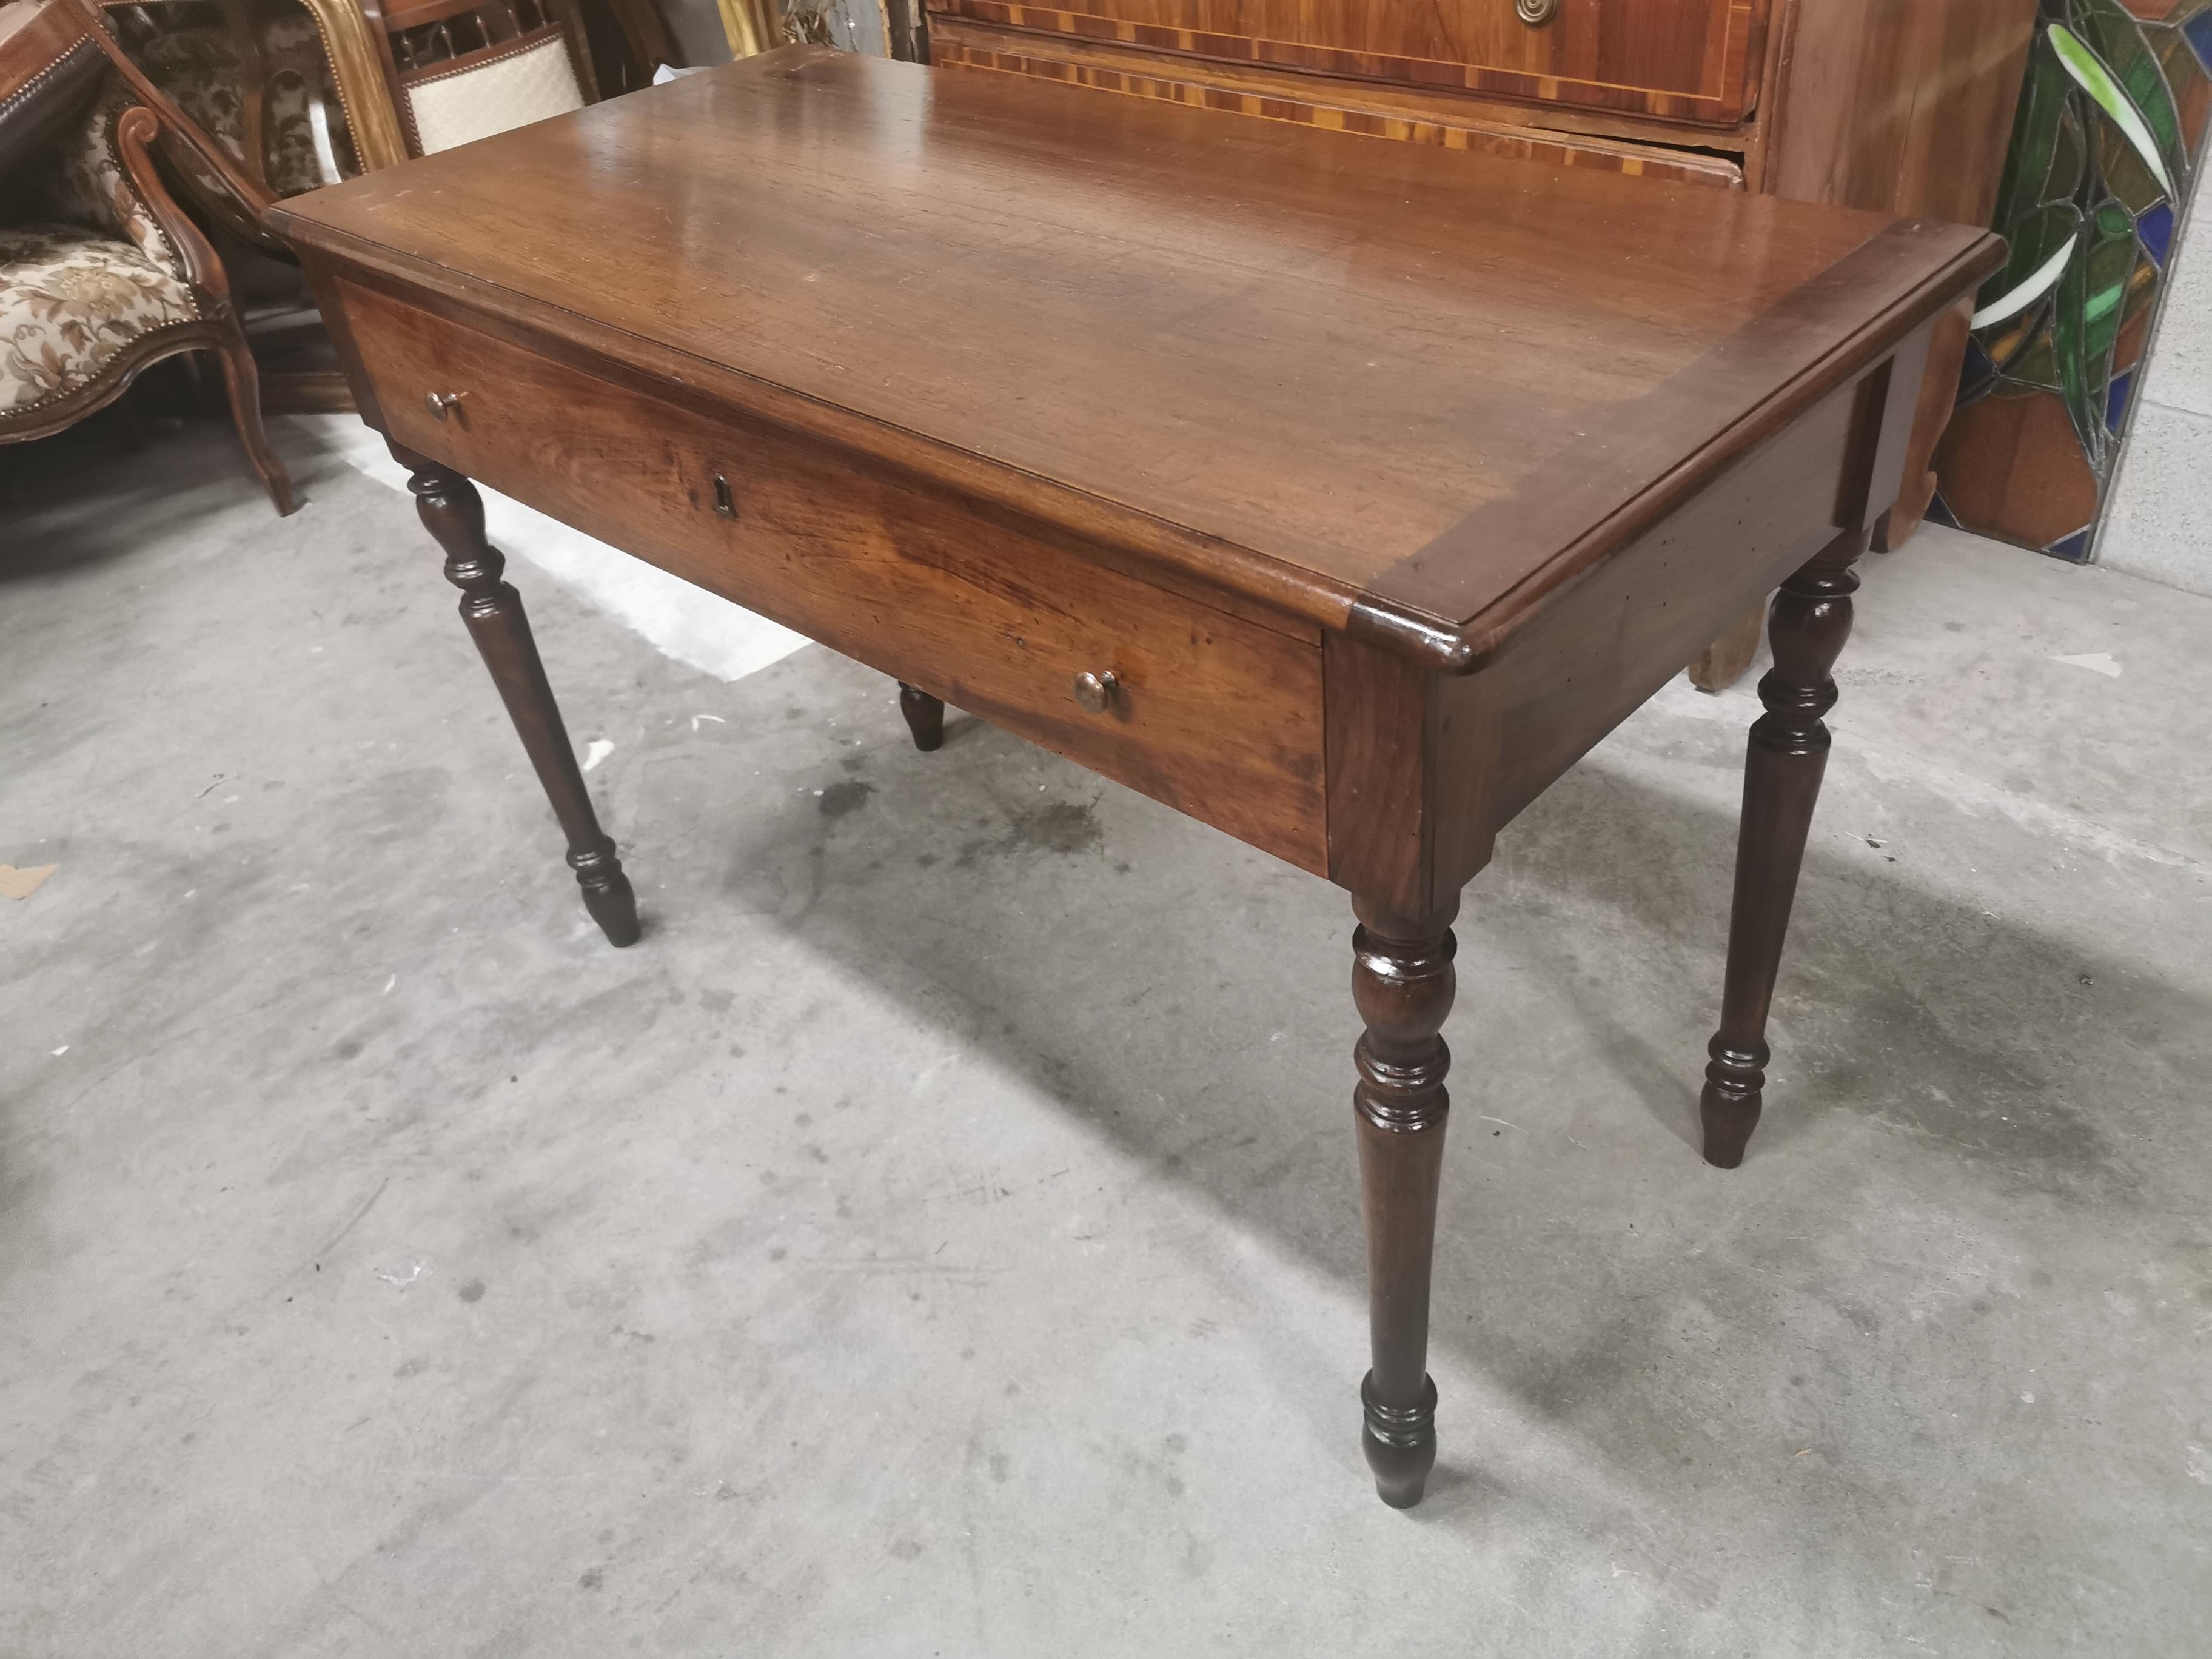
(1217, 716)
(1690, 60)
(1340, 494)
(1322, 371)
(1336, 105)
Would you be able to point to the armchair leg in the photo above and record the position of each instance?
(135, 131)
(244, 383)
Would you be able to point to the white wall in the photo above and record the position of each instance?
(2160, 522)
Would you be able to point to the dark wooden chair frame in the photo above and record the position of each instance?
(216, 329)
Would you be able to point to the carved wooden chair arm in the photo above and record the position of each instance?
(137, 131)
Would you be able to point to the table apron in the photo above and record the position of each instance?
(1425, 767)
(1215, 714)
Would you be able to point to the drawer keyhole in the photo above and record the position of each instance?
(723, 505)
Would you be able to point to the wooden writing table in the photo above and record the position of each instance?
(1340, 494)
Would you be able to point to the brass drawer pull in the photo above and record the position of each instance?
(1536, 13)
(444, 403)
(1096, 691)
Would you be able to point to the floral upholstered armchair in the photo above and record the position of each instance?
(101, 274)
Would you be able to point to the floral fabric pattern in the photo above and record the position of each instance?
(83, 184)
(69, 300)
(304, 135)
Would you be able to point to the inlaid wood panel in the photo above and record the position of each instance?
(1215, 715)
(1685, 60)
(1333, 110)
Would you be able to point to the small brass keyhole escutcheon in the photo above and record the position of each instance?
(443, 404)
(1535, 13)
(1096, 691)
(723, 504)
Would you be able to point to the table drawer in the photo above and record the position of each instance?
(1686, 60)
(1215, 714)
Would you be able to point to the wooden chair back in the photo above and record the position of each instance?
(428, 42)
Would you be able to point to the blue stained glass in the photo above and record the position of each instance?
(2075, 550)
(2156, 226)
(2199, 31)
(2115, 399)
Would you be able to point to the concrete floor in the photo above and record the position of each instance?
(938, 1237)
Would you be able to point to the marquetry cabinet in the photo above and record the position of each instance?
(1903, 106)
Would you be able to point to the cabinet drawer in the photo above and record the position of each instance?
(1215, 714)
(1684, 60)
(1445, 120)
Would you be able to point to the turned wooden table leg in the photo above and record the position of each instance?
(452, 511)
(1402, 981)
(1788, 754)
(925, 717)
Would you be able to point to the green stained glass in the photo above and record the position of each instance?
(2046, 101)
(2069, 159)
(2108, 286)
(2108, 29)
(2114, 110)
(2038, 365)
(2185, 76)
(2031, 244)
(2085, 321)
(2125, 175)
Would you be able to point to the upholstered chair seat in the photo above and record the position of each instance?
(73, 304)
(101, 274)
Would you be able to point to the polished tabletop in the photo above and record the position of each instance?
(1437, 381)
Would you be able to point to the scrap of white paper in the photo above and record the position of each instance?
(2097, 662)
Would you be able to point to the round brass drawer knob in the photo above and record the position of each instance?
(1536, 12)
(1096, 691)
(444, 403)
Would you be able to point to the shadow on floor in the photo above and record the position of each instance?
(1899, 1006)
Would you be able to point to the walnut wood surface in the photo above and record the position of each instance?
(1900, 106)
(1370, 373)
(1384, 482)
(1896, 106)
(1403, 982)
(1217, 716)
(1691, 60)
(1789, 753)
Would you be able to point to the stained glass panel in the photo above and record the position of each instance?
(2110, 133)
